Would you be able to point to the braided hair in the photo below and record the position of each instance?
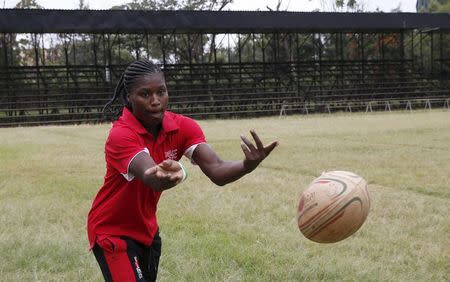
(132, 72)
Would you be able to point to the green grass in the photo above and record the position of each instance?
(245, 231)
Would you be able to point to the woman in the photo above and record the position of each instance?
(142, 153)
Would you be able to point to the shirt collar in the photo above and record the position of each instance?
(168, 123)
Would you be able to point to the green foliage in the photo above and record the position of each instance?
(440, 6)
(82, 5)
(28, 4)
(21, 46)
(445, 7)
(437, 6)
(342, 5)
(181, 48)
(351, 4)
(77, 49)
(174, 5)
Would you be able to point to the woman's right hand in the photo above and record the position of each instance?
(168, 172)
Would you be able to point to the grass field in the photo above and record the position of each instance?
(245, 231)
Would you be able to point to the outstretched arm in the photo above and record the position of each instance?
(223, 172)
(159, 177)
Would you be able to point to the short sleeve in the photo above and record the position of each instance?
(193, 135)
(122, 146)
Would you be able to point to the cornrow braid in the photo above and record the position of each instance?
(132, 72)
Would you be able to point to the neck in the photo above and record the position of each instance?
(154, 130)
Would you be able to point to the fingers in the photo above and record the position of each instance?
(245, 149)
(170, 165)
(163, 175)
(258, 142)
(254, 156)
(247, 143)
(170, 170)
(168, 177)
(270, 147)
(166, 164)
(163, 171)
(151, 171)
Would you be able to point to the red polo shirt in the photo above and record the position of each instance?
(124, 206)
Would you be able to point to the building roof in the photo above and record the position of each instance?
(134, 21)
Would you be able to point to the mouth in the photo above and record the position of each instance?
(157, 115)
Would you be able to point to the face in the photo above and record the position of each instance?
(149, 98)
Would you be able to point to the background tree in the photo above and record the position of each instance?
(342, 5)
(190, 5)
(439, 6)
(179, 48)
(28, 4)
(25, 45)
(426, 6)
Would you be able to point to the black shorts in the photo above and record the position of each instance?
(122, 259)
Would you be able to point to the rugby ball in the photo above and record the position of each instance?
(333, 206)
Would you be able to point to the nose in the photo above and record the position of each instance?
(155, 100)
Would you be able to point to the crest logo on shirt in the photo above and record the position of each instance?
(171, 154)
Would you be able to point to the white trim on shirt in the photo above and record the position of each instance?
(129, 176)
(189, 151)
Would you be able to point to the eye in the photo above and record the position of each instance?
(162, 91)
(144, 93)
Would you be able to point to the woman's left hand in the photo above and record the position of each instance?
(255, 155)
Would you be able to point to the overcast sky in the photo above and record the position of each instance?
(290, 5)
